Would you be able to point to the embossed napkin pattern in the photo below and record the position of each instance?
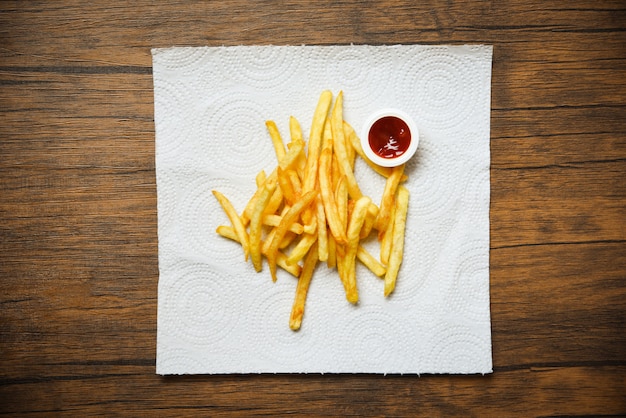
(217, 315)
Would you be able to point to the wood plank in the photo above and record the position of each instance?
(538, 392)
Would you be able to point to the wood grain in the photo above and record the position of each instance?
(78, 243)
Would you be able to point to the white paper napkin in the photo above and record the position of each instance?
(217, 315)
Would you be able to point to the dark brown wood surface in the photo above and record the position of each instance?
(78, 231)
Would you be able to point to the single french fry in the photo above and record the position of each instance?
(296, 183)
(287, 240)
(332, 252)
(315, 140)
(289, 218)
(370, 261)
(227, 232)
(275, 202)
(372, 213)
(291, 157)
(295, 131)
(256, 223)
(311, 227)
(236, 222)
(277, 141)
(322, 230)
(328, 197)
(354, 229)
(302, 248)
(247, 212)
(387, 200)
(397, 245)
(274, 220)
(304, 281)
(341, 197)
(260, 178)
(385, 242)
(341, 150)
(286, 187)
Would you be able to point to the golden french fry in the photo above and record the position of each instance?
(354, 229)
(340, 263)
(311, 227)
(370, 261)
(387, 201)
(341, 150)
(315, 140)
(328, 198)
(247, 212)
(286, 187)
(256, 224)
(289, 218)
(295, 182)
(277, 141)
(291, 157)
(302, 248)
(260, 178)
(274, 203)
(322, 231)
(332, 252)
(372, 213)
(397, 245)
(274, 220)
(227, 232)
(385, 242)
(341, 197)
(236, 222)
(295, 131)
(304, 281)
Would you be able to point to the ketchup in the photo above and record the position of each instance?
(389, 137)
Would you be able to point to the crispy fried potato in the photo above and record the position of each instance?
(385, 243)
(341, 151)
(304, 281)
(315, 140)
(291, 157)
(322, 230)
(397, 245)
(354, 229)
(328, 198)
(236, 222)
(256, 224)
(277, 141)
(370, 261)
(387, 201)
(247, 212)
(302, 248)
(274, 220)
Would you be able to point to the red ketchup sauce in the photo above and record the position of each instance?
(389, 137)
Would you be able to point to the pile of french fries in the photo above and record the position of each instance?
(310, 209)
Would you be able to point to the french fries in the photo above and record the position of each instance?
(310, 209)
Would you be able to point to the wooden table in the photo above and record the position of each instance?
(78, 230)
